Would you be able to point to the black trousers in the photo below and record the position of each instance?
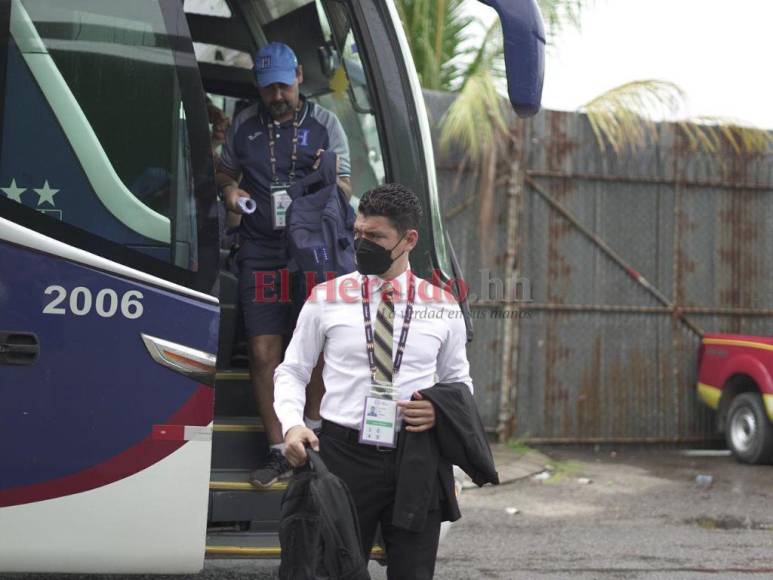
(370, 475)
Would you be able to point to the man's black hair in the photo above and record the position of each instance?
(394, 202)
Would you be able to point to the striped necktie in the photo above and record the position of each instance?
(382, 347)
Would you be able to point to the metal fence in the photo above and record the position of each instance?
(627, 258)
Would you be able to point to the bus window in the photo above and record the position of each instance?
(350, 100)
(100, 126)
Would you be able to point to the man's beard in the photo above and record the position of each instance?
(279, 109)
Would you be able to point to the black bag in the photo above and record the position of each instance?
(318, 528)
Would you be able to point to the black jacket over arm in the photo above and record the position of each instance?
(425, 459)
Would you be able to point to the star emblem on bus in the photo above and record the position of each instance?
(46, 194)
(13, 191)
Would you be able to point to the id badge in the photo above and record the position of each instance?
(280, 201)
(379, 422)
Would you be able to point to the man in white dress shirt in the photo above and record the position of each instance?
(364, 371)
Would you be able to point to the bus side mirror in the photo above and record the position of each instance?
(524, 41)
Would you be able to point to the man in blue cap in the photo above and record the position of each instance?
(270, 145)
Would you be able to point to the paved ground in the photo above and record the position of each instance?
(641, 516)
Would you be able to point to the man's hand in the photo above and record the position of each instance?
(344, 183)
(296, 437)
(318, 160)
(231, 195)
(220, 124)
(419, 415)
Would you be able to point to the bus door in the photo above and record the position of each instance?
(108, 319)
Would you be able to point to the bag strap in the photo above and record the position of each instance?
(316, 462)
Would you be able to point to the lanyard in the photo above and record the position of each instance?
(403, 333)
(270, 128)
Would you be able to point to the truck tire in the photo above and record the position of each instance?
(749, 433)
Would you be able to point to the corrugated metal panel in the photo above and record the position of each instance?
(457, 191)
(485, 355)
(613, 363)
(609, 376)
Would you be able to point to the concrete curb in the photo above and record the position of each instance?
(514, 465)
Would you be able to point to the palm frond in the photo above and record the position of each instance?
(707, 132)
(561, 14)
(490, 55)
(626, 115)
(476, 119)
(436, 32)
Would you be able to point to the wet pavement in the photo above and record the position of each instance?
(617, 513)
(604, 513)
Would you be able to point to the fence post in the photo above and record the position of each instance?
(508, 389)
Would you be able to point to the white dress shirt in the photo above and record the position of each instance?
(331, 321)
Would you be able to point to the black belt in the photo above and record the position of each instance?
(336, 431)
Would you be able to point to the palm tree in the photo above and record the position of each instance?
(621, 117)
(436, 31)
(476, 122)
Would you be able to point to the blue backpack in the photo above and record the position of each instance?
(319, 225)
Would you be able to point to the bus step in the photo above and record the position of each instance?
(233, 499)
(227, 375)
(238, 425)
(254, 545)
(238, 479)
(233, 393)
(242, 545)
(238, 443)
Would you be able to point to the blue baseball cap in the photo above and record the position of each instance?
(275, 63)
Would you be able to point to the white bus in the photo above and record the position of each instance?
(127, 424)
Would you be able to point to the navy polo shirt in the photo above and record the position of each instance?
(246, 151)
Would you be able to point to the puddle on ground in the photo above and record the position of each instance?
(728, 523)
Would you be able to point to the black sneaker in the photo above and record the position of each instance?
(276, 469)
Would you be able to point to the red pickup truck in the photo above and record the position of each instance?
(735, 377)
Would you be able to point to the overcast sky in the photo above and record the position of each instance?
(718, 51)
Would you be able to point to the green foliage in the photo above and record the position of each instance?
(563, 469)
(623, 115)
(561, 14)
(518, 446)
(708, 133)
(476, 120)
(626, 116)
(436, 31)
(489, 56)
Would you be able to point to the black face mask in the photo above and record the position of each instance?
(372, 258)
